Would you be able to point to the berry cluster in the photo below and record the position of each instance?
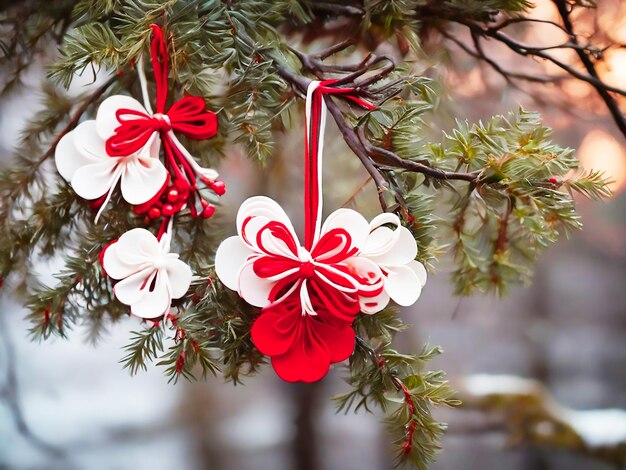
(177, 195)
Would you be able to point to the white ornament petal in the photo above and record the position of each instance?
(419, 270)
(106, 120)
(368, 270)
(156, 300)
(179, 275)
(351, 221)
(67, 157)
(95, 180)
(152, 147)
(371, 305)
(131, 289)
(89, 143)
(268, 241)
(401, 248)
(115, 265)
(252, 288)
(138, 246)
(229, 258)
(378, 242)
(261, 206)
(403, 285)
(142, 178)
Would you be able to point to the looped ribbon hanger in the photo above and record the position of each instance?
(315, 125)
(187, 116)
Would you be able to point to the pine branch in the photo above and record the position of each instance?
(145, 346)
(385, 378)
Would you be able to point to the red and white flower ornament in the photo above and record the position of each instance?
(123, 144)
(311, 293)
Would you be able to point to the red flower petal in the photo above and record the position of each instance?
(339, 340)
(274, 332)
(308, 360)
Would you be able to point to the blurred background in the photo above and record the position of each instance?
(542, 372)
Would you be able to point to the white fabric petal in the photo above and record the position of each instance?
(179, 275)
(351, 221)
(142, 178)
(131, 289)
(252, 288)
(371, 305)
(134, 251)
(229, 258)
(67, 157)
(152, 147)
(399, 248)
(419, 270)
(89, 143)
(95, 180)
(106, 121)
(403, 285)
(115, 265)
(156, 300)
(366, 269)
(270, 243)
(261, 206)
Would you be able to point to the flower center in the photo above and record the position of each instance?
(159, 262)
(307, 269)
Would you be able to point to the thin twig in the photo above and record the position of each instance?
(356, 192)
(599, 85)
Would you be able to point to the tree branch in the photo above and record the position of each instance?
(598, 84)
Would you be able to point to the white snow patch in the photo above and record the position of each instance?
(598, 428)
(488, 384)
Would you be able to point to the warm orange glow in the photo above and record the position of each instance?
(545, 10)
(614, 70)
(601, 151)
(612, 19)
(468, 84)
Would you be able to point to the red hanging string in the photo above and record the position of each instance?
(187, 115)
(159, 56)
(312, 166)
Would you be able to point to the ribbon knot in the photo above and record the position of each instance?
(161, 122)
(307, 270)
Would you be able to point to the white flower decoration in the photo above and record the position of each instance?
(149, 275)
(82, 160)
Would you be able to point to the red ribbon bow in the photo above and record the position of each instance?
(187, 116)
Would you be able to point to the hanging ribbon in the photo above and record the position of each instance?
(315, 125)
(187, 116)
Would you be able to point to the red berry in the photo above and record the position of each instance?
(172, 195)
(154, 213)
(553, 180)
(208, 211)
(168, 209)
(219, 187)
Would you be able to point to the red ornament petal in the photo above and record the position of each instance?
(307, 361)
(274, 332)
(339, 339)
